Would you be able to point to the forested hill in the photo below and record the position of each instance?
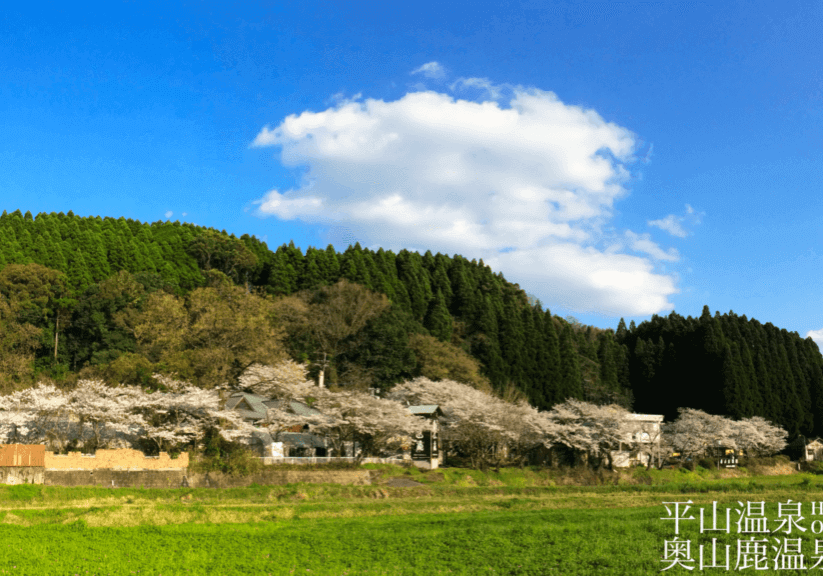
(726, 365)
(119, 299)
(457, 303)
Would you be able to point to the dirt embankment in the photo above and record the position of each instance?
(777, 470)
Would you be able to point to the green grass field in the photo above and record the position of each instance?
(456, 522)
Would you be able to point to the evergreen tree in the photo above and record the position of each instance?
(313, 275)
(608, 364)
(570, 385)
(437, 320)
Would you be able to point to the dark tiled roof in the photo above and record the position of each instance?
(295, 406)
(250, 406)
(262, 436)
(254, 407)
(301, 440)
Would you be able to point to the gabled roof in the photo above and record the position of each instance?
(254, 407)
(249, 406)
(425, 410)
(296, 406)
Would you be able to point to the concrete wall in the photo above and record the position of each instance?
(124, 459)
(179, 478)
(21, 474)
(115, 478)
(267, 460)
(279, 477)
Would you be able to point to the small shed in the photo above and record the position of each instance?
(814, 450)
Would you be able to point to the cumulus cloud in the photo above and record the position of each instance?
(169, 214)
(527, 187)
(817, 336)
(430, 70)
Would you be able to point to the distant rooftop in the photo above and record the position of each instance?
(424, 409)
(645, 417)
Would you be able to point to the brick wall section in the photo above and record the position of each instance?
(124, 459)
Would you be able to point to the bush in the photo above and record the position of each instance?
(641, 475)
(707, 463)
(220, 455)
(240, 462)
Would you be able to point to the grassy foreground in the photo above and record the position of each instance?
(456, 522)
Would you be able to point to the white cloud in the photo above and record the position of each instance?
(169, 214)
(670, 224)
(817, 336)
(493, 90)
(429, 171)
(584, 279)
(430, 70)
(648, 156)
(643, 243)
(674, 224)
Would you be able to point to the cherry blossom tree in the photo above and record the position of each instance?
(105, 414)
(588, 428)
(486, 429)
(185, 413)
(15, 424)
(42, 416)
(282, 418)
(287, 379)
(695, 433)
(377, 425)
(758, 437)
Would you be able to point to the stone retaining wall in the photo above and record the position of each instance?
(115, 478)
(21, 474)
(179, 478)
(279, 477)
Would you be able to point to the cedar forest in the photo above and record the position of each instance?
(122, 300)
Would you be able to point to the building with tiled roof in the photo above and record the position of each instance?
(254, 408)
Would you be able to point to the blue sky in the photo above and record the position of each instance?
(613, 159)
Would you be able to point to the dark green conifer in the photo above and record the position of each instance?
(438, 321)
(571, 384)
